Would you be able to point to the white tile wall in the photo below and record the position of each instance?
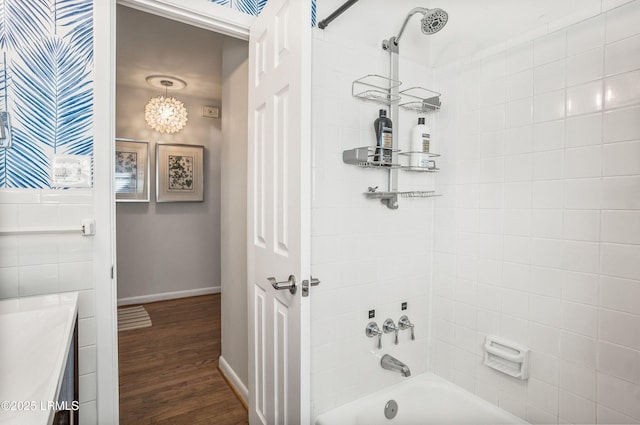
(557, 263)
(367, 256)
(49, 263)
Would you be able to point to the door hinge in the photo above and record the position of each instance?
(112, 271)
(306, 283)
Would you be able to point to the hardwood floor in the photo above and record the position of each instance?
(169, 372)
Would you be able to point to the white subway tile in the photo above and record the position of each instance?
(88, 413)
(621, 125)
(547, 252)
(491, 195)
(86, 332)
(546, 281)
(517, 249)
(549, 77)
(547, 194)
(517, 222)
(582, 194)
(543, 396)
(515, 303)
(9, 282)
(490, 271)
(586, 35)
(582, 225)
(8, 215)
(608, 5)
(544, 367)
(492, 92)
(546, 223)
(72, 215)
(488, 321)
(609, 416)
(621, 192)
(578, 349)
(578, 380)
(86, 304)
(493, 68)
(619, 159)
(580, 318)
(87, 387)
(548, 165)
(619, 395)
(37, 215)
(87, 360)
(517, 195)
(518, 168)
(491, 220)
(623, 22)
(73, 248)
(492, 144)
(581, 256)
(580, 287)
(76, 276)
(619, 328)
(516, 276)
(492, 170)
(622, 90)
(620, 294)
(585, 98)
(544, 339)
(622, 56)
(492, 119)
(587, 66)
(549, 106)
(71, 196)
(8, 251)
(576, 410)
(621, 226)
(518, 113)
(490, 246)
(37, 249)
(619, 361)
(549, 48)
(548, 136)
(518, 140)
(584, 130)
(621, 260)
(518, 86)
(545, 310)
(515, 328)
(38, 280)
(519, 58)
(19, 196)
(583, 162)
(539, 416)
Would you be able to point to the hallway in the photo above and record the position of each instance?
(169, 371)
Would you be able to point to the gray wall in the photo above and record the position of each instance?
(164, 248)
(234, 206)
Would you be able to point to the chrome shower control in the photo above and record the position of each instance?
(388, 326)
(405, 323)
(372, 330)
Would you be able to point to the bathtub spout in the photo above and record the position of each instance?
(391, 363)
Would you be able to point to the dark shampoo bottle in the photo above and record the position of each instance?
(384, 138)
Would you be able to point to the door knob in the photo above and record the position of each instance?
(287, 284)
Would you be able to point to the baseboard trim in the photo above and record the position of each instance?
(229, 375)
(169, 295)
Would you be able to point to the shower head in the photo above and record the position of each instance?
(433, 20)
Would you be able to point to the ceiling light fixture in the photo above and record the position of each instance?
(165, 114)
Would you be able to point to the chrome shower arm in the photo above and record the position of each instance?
(422, 10)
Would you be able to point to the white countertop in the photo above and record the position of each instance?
(35, 334)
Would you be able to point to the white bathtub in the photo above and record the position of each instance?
(425, 399)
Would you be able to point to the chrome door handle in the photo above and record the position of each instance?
(287, 284)
(307, 283)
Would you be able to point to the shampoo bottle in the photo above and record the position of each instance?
(384, 138)
(420, 144)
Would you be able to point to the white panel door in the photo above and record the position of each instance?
(279, 212)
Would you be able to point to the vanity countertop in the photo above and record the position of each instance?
(35, 335)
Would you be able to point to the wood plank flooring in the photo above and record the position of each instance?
(169, 372)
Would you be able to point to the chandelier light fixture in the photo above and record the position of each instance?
(165, 114)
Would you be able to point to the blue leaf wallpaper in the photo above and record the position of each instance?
(46, 84)
(254, 7)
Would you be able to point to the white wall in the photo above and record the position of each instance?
(168, 250)
(366, 256)
(233, 215)
(537, 236)
(48, 264)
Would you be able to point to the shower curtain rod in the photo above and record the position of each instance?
(339, 11)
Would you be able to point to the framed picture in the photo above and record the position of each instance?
(179, 173)
(132, 171)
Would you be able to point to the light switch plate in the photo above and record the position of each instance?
(211, 111)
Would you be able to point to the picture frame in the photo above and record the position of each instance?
(179, 173)
(131, 177)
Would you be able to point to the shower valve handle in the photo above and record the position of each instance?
(388, 326)
(405, 323)
(372, 330)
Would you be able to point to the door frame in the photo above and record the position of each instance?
(199, 13)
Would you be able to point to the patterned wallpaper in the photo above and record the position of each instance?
(254, 7)
(46, 84)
